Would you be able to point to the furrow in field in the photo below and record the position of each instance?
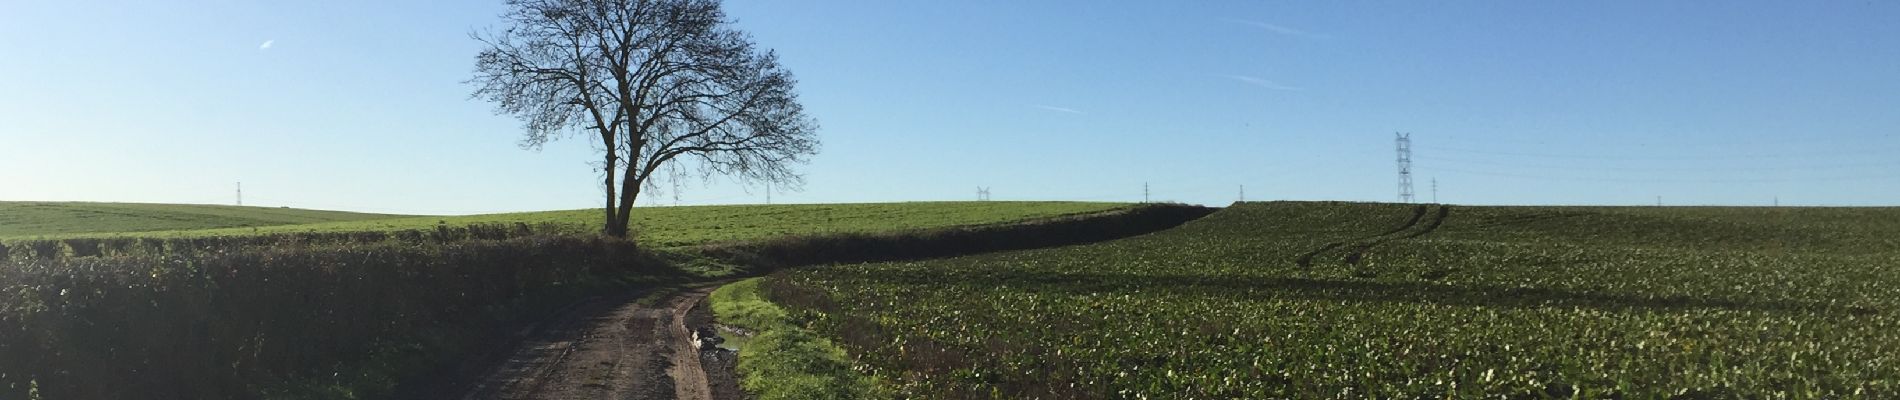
(1306, 260)
(1359, 252)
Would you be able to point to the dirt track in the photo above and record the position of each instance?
(607, 349)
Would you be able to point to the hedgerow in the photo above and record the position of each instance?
(238, 323)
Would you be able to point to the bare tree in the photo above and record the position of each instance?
(660, 83)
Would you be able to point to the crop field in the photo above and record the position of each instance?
(21, 218)
(674, 226)
(1345, 300)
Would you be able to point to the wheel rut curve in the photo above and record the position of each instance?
(1306, 260)
(1359, 252)
(613, 348)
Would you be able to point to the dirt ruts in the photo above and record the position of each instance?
(1359, 252)
(1306, 260)
(610, 348)
(1359, 247)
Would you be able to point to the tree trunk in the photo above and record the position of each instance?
(615, 226)
(628, 193)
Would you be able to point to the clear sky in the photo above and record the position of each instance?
(360, 105)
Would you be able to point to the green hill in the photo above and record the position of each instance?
(661, 226)
(34, 218)
(1345, 300)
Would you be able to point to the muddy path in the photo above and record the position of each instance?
(620, 347)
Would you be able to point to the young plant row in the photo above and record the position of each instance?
(1495, 303)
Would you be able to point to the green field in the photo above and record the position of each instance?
(1343, 300)
(36, 218)
(660, 226)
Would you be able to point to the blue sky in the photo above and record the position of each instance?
(360, 105)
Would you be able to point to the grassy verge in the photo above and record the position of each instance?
(781, 359)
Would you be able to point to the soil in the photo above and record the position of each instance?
(721, 365)
(614, 348)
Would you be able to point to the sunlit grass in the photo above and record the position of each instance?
(672, 226)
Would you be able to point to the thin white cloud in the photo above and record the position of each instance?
(1061, 109)
(1261, 82)
(267, 44)
(1269, 27)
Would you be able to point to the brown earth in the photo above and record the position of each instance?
(610, 348)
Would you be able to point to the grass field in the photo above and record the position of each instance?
(668, 226)
(1343, 300)
(34, 218)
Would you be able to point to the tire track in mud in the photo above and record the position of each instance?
(540, 349)
(610, 348)
(1359, 252)
(1306, 260)
(1444, 212)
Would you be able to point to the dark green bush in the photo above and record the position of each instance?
(201, 319)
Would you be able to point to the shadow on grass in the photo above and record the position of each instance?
(767, 255)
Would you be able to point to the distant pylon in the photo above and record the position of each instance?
(1434, 190)
(240, 193)
(1404, 141)
(982, 194)
(1243, 192)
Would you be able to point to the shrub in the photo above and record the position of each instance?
(202, 321)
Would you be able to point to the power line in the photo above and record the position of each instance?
(1573, 166)
(1806, 139)
(1664, 158)
(1598, 179)
(1404, 142)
